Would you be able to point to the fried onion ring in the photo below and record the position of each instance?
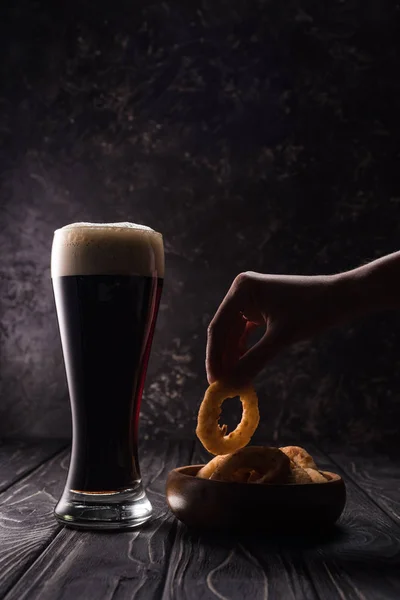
(270, 463)
(316, 476)
(212, 435)
(300, 456)
(208, 469)
(253, 477)
(242, 475)
(246, 475)
(298, 474)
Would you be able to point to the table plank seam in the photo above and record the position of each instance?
(29, 472)
(120, 566)
(286, 561)
(32, 562)
(170, 561)
(173, 535)
(354, 482)
(27, 475)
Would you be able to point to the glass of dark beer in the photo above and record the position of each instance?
(107, 281)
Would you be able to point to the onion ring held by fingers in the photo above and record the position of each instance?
(270, 463)
(212, 435)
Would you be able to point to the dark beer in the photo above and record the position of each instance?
(107, 324)
(107, 282)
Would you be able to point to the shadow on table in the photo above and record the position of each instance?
(372, 562)
(272, 541)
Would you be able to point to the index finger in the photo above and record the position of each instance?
(225, 334)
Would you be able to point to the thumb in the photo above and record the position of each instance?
(255, 359)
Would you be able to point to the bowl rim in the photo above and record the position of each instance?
(179, 471)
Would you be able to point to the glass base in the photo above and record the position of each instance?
(125, 509)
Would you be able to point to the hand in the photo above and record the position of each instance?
(291, 308)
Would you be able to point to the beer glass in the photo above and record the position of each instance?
(107, 281)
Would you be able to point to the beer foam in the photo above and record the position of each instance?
(107, 249)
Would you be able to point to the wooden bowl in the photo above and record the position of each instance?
(251, 507)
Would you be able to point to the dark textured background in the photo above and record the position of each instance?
(257, 135)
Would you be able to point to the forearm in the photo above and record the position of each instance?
(370, 288)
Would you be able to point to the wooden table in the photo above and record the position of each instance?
(40, 559)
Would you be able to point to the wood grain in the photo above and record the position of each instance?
(378, 476)
(362, 558)
(27, 524)
(109, 566)
(20, 457)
